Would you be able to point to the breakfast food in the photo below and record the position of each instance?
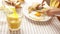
(37, 12)
(30, 9)
(33, 7)
(22, 1)
(39, 17)
(15, 3)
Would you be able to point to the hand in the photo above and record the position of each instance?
(59, 0)
(50, 12)
(53, 12)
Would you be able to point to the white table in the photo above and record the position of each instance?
(30, 27)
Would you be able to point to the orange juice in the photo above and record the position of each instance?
(13, 21)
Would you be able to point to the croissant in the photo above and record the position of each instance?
(35, 6)
(21, 1)
(17, 4)
(30, 9)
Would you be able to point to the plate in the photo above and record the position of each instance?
(47, 18)
(26, 13)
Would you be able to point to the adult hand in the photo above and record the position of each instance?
(53, 12)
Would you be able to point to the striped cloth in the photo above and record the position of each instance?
(30, 27)
(55, 3)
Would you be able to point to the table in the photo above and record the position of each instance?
(30, 27)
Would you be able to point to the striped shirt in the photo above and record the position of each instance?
(55, 3)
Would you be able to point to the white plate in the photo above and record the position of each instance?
(26, 12)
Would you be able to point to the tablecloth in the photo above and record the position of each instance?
(30, 27)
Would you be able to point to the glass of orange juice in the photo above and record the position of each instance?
(14, 20)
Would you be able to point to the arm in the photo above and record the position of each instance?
(52, 12)
(59, 0)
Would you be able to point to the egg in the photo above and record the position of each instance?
(41, 17)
